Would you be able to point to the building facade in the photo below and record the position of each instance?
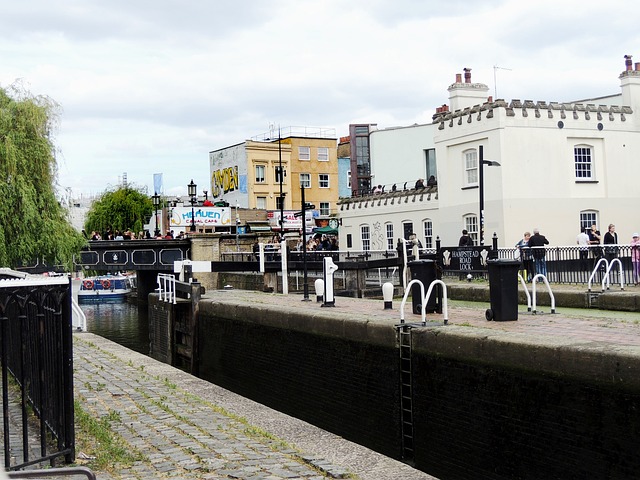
(557, 166)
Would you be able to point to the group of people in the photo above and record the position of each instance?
(533, 254)
(129, 235)
(590, 244)
(320, 243)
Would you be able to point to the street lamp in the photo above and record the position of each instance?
(482, 162)
(237, 224)
(192, 189)
(156, 204)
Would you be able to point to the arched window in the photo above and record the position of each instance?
(470, 222)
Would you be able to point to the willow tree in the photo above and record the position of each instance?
(119, 209)
(33, 224)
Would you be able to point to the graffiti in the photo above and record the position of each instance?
(377, 238)
(224, 180)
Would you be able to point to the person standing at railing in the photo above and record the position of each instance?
(537, 243)
(594, 241)
(583, 249)
(635, 258)
(611, 242)
(525, 257)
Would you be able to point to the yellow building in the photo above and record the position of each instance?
(247, 174)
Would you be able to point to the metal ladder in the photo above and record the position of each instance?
(406, 392)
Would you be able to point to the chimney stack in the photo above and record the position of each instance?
(627, 62)
(467, 75)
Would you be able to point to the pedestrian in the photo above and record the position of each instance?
(526, 263)
(635, 258)
(465, 240)
(583, 249)
(420, 183)
(594, 242)
(611, 243)
(536, 244)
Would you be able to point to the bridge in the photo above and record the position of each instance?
(117, 255)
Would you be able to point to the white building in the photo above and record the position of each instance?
(562, 165)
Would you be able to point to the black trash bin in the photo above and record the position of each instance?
(426, 271)
(503, 290)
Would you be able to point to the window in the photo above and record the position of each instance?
(365, 237)
(324, 208)
(583, 163)
(323, 154)
(279, 202)
(261, 203)
(588, 218)
(470, 168)
(427, 229)
(471, 225)
(304, 153)
(305, 180)
(430, 156)
(389, 232)
(349, 179)
(277, 174)
(260, 171)
(323, 180)
(407, 230)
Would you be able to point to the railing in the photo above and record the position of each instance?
(36, 350)
(565, 264)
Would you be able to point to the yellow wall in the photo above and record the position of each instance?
(314, 195)
(267, 154)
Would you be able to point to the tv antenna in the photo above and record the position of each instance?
(495, 83)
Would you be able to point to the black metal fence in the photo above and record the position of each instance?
(37, 369)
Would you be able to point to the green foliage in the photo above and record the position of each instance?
(33, 225)
(120, 209)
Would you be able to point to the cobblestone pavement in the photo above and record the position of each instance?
(188, 428)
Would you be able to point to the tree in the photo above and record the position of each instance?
(33, 224)
(119, 209)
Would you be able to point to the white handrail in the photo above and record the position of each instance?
(79, 319)
(606, 276)
(406, 294)
(526, 291)
(534, 280)
(595, 270)
(445, 309)
(167, 288)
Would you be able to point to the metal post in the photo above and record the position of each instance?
(237, 223)
(481, 185)
(305, 286)
(281, 175)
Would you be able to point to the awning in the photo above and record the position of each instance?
(326, 230)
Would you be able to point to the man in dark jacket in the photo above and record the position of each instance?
(536, 244)
(465, 240)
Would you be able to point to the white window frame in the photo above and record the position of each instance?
(583, 163)
(305, 180)
(323, 180)
(325, 208)
(427, 231)
(304, 153)
(323, 154)
(261, 203)
(388, 228)
(365, 237)
(588, 218)
(470, 167)
(262, 176)
(470, 224)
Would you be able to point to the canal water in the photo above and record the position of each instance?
(122, 323)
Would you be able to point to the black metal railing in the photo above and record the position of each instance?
(37, 360)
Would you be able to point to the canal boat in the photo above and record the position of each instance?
(105, 289)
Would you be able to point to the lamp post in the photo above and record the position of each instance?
(482, 162)
(237, 224)
(281, 178)
(156, 204)
(192, 189)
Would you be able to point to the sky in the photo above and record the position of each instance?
(148, 87)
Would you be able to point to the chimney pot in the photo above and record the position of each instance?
(458, 78)
(627, 62)
(637, 66)
(467, 75)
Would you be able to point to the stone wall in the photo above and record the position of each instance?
(485, 406)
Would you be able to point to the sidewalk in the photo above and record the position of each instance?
(188, 428)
